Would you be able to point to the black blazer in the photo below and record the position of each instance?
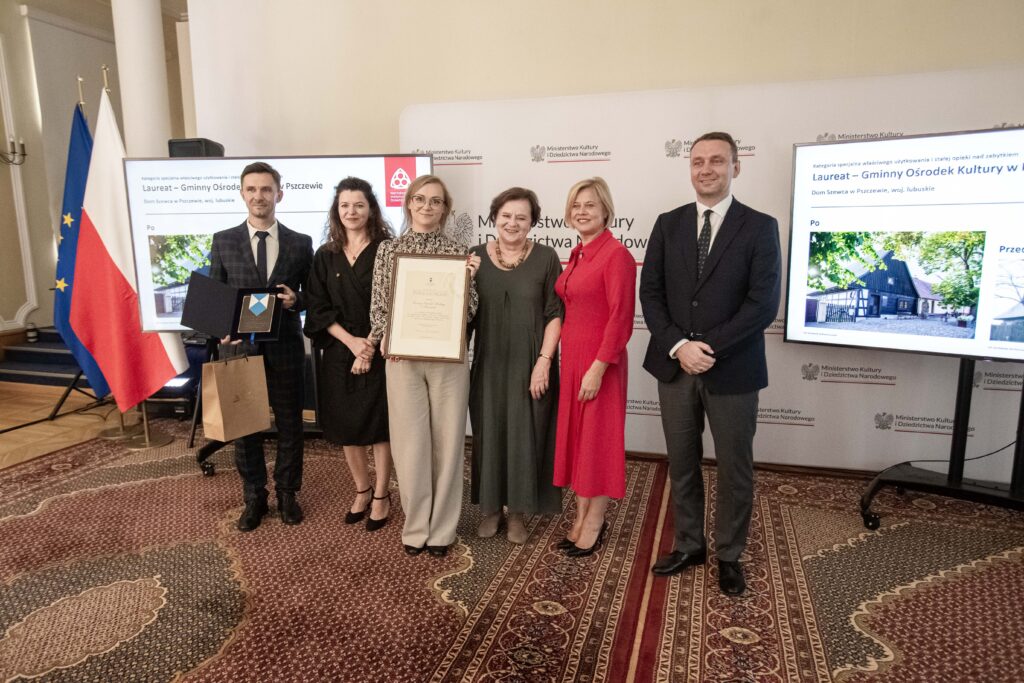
(231, 261)
(729, 307)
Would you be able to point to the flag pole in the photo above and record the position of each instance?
(122, 431)
(150, 438)
(81, 96)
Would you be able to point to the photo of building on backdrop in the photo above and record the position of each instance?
(919, 283)
(173, 258)
(1008, 299)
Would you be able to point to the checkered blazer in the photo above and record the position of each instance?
(232, 261)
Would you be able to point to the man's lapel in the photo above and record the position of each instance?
(688, 241)
(245, 256)
(284, 244)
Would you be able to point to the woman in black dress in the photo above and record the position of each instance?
(353, 392)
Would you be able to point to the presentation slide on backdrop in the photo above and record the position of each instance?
(913, 243)
(177, 204)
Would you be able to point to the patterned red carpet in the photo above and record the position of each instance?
(126, 567)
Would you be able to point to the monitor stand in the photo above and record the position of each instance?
(906, 476)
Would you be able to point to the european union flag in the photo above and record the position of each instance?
(79, 153)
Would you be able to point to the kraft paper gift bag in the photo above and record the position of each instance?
(235, 402)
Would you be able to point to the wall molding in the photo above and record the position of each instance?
(20, 209)
(64, 23)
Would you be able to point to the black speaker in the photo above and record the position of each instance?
(194, 147)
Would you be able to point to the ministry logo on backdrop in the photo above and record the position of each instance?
(809, 371)
(565, 154)
(643, 406)
(938, 425)
(999, 380)
(857, 374)
(789, 417)
(454, 156)
(673, 148)
(881, 135)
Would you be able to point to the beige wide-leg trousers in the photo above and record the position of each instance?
(427, 404)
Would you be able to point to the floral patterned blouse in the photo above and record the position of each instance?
(409, 243)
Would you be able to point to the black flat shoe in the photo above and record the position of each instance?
(730, 578)
(291, 512)
(413, 550)
(677, 561)
(374, 524)
(576, 551)
(564, 544)
(437, 550)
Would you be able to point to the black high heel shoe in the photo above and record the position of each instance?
(565, 544)
(353, 517)
(374, 524)
(576, 551)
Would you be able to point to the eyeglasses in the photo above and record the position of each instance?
(419, 200)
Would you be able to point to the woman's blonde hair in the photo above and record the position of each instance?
(600, 188)
(414, 187)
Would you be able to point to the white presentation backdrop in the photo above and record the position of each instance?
(176, 205)
(824, 406)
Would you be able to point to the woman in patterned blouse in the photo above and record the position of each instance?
(426, 399)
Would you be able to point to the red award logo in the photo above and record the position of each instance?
(399, 172)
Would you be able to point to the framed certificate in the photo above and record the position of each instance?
(429, 302)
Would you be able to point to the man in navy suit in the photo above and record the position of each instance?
(709, 288)
(263, 253)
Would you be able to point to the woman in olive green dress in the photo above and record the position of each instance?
(514, 381)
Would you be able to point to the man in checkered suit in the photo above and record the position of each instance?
(263, 253)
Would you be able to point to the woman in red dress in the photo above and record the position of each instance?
(598, 288)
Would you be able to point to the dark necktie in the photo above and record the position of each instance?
(261, 255)
(704, 242)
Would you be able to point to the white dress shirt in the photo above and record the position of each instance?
(273, 245)
(717, 216)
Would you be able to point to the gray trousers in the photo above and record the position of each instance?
(733, 419)
(427, 412)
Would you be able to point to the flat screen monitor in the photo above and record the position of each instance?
(176, 205)
(910, 244)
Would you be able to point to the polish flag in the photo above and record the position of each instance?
(105, 300)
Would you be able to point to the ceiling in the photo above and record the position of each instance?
(97, 13)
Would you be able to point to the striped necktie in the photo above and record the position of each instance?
(704, 242)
